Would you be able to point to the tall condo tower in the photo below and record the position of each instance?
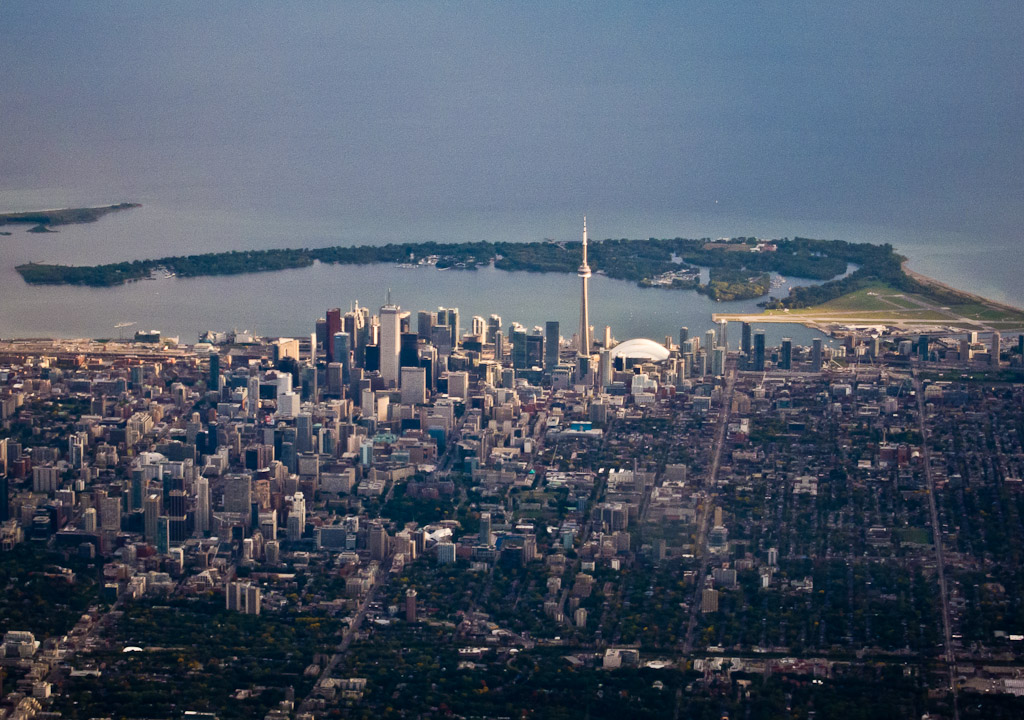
(390, 343)
(584, 273)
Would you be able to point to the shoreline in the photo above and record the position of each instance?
(932, 282)
(830, 321)
(63, 216)
(635, 260)
(870, 297)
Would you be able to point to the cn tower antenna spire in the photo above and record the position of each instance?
(584, 239)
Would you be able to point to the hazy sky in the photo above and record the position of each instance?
(904, 114)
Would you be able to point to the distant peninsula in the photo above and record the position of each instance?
(43, 220)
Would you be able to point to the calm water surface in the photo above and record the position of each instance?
(255, 125)
(288, 302)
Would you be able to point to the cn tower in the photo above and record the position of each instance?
(584, 274)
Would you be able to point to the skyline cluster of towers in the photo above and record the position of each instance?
(388, 343)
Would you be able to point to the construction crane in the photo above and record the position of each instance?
(120, 328)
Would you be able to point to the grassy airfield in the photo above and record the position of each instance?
(879, 304)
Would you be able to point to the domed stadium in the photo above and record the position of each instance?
(640, 349)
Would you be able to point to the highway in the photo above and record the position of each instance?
(347, 638)
(710, 483)
(937, 539)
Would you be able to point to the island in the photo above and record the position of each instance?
(43, 220)
(859, 284)
(740, 265)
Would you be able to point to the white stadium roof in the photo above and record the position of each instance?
(640, 349)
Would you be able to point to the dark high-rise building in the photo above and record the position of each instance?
(322, 338)
(5, 502)
(428, 361)
(334, 379)
(214, 371)
(408, 353)
(700, 364)
(493, 329)
(258, 457)
(922, 347)
(163, 534)
(684, 335)
(816, 354)
(309, 383)
(356, 323)
(517, 339)
(551, 345)
(371, 358)
(303, 432)
(449, 317)
(745, 339)
(441, 338)
(425, 321)
(342, 353)
(138, 490)
(289, 458)
(410, 605)
(176, 516)
(333, 327)
(535, 349)
(212, 441)
(759, 350)
(786, 354)
(170, 483)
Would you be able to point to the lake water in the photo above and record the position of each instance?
(243, 125)
(289, 302)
